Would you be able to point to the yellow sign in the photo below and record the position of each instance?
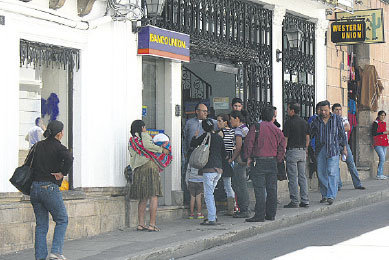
(348, 31)
(374, 24)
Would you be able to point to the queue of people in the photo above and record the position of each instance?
(263, 146)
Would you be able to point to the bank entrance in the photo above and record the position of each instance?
(231, 38)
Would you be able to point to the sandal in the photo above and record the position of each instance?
(153, 228)
(141, 228)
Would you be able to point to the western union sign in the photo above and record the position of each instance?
(348, 31)
(374, 23)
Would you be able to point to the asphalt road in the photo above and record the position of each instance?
(319, 233)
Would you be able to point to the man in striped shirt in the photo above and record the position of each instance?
(330, 140)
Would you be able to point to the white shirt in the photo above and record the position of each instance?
(35, 134)
(345, 122)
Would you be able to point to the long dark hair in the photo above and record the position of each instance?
(380, 113)
(136, 127)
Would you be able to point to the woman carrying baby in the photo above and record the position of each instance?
(146, 180)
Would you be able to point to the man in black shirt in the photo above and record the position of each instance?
(296, 132)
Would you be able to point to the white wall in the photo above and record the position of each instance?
(107, 93)
(110, 99)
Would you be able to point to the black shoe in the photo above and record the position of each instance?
(269, 218)
(291, 205)
(323, 200)
(255, 219)
(244, 214)
(360, 188)
(330, 201)
(304, 205)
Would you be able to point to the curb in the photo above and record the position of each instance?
(190, 247)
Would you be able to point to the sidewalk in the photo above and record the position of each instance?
(185, 237)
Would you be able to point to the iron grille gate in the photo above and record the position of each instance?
(298, 65)
(229, 31)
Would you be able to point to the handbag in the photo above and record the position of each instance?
(128, 173)
(22, 177)
(199, 157)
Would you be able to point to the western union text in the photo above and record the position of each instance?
(349, 31)
(347, 28)
(167, 41)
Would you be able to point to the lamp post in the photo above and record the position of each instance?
(154, 8)
(294, 35)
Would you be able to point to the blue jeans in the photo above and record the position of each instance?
(352, 169)
(327, 170)
(46, 197)
(381, 151)
(264, 178)
(239, 184)
(228, 188)
(210, 180)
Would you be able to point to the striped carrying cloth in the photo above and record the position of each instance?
(162, 160)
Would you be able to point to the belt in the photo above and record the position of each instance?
(264, 157)
(296, 148)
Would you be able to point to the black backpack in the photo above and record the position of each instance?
(243, 155)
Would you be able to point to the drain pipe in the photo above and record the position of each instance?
(45, 14)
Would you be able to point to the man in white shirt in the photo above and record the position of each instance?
(337, 109)
(35, 134)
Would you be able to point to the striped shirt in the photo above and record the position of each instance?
(229, 140)
(331, 135)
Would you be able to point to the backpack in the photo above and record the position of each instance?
(243, 155)
(199, 157)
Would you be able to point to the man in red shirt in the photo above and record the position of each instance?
(264, 152)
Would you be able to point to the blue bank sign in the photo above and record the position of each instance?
(163, 43)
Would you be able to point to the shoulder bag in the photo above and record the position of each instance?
(199, 157)
(22, 177)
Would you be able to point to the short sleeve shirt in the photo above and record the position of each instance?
(241, 130)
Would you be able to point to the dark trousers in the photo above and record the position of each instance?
(264, 177)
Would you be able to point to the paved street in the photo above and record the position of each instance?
(316, 238)
(184, 237)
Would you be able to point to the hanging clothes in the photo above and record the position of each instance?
(371, 88)
(352, 118)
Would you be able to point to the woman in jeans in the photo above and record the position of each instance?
(146, 182)
(228, 135)
(380, 136)
(51, 162)
(213, 169)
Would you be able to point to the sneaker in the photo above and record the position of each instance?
(200, 215)
(255, 219)
(54, 256)
(330, 201)
(304, 205)
(242, 214)
(191, 216)
(291, 205)
(323, 200)
(381, 177)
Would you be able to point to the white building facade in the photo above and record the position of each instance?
(103, 89)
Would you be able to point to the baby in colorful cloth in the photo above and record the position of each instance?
(163, 140)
